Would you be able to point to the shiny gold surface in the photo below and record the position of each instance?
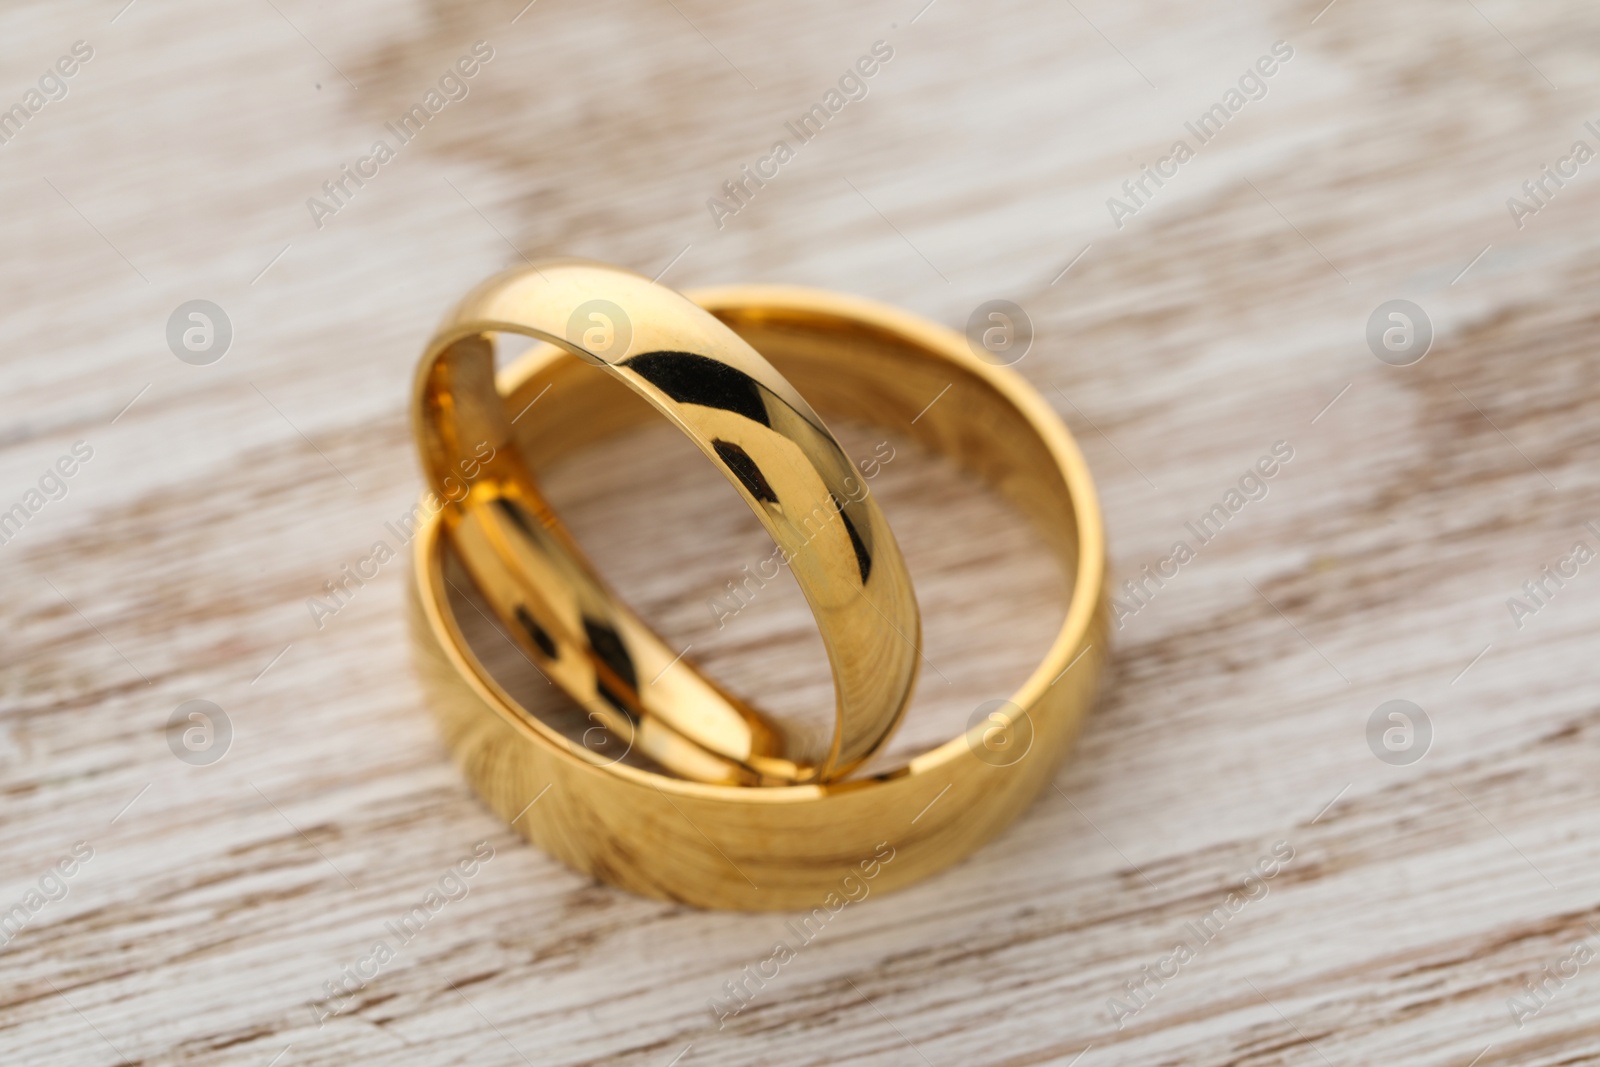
(756, 429)
(786, 847)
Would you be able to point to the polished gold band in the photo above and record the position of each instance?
(757, 430)
(785, 847)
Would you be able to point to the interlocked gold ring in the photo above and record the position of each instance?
(795, 846)
(757, 430)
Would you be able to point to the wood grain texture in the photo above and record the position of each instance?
(1226, 315)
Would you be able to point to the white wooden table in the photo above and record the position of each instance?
(1424, 899)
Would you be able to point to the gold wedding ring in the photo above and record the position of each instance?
(757, 430)
(725, 843)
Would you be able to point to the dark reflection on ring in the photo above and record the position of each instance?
(689, 378)
(540, 635)
(863, 556)
(609, 649)
(745, 469)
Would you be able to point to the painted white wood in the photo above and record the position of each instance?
(1228, 313)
